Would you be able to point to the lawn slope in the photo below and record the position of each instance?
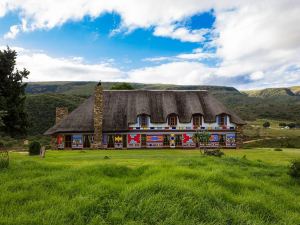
(150, 187)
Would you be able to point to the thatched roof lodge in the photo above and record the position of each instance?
(143, 118)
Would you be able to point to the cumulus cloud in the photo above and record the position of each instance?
(181, 33)
(256, 42)
(13, 31)
(43, 67)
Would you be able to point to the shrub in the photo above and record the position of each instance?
(294, 169)
(291, 125)
(34, 148)
(266, 124)
(278, 149)
(282, 124)
(106, 157)
(4, 159)
(214, 152)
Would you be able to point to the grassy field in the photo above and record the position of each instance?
(150, 187)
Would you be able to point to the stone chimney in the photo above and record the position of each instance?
(98, 116)
(61, 113)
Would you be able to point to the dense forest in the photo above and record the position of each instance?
(275, 103)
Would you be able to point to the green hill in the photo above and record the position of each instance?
(273, 103)
(270, 92)
(87, 88)
(296, 90)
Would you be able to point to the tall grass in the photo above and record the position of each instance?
(147, 187)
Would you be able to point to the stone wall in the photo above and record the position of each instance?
(61, 113)
(98, 116)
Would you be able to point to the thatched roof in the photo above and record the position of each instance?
(123, 107)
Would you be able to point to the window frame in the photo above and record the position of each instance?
(199, 118)
(222, 119)
(143, 121)
(172, 120)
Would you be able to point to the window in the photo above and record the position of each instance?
(172, 121)
(143, 121)
(222, 119)
(197, 120)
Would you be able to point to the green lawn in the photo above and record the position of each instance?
(150, 187)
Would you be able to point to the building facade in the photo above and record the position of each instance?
(146, 119)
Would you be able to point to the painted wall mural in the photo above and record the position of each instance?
(187, 140)
(60, 142)
(154, 141)
(230, 140)
(213, 140)
(133, 140)
(172, 140)
(118, 141)
(77, 141)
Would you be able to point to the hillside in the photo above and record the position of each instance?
(87, 88)
(275, 103)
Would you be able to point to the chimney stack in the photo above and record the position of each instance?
(61, 113)
(98, 116)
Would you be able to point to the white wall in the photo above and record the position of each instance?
(184, 125)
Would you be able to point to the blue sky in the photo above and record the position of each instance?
(194, 43)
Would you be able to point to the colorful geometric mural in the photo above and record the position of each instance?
(155, 138)
(118, 141)
(154, 141)
(172, 140)
(230, 140)
(213, 140)
(133, 140)
(77, 141)
(187, 140)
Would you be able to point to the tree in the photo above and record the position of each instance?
(201, 137)
(122, 86)
(2, 114)
(12, 94)
(266, 124)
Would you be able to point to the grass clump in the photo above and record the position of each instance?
(4, 159)
(34, 148)
(278, 149)
(294, 169)
(214, 152)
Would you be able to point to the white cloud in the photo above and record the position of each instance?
(172, 73)
(13, 31)
(43, 67)
(181, 33)
(198, 54)
(255, 40)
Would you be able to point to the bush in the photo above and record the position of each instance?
(294, 170)
(266, 124)
(4, 159)
(282, 124)
(34, 148)
(278, 149)
(214, 152)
